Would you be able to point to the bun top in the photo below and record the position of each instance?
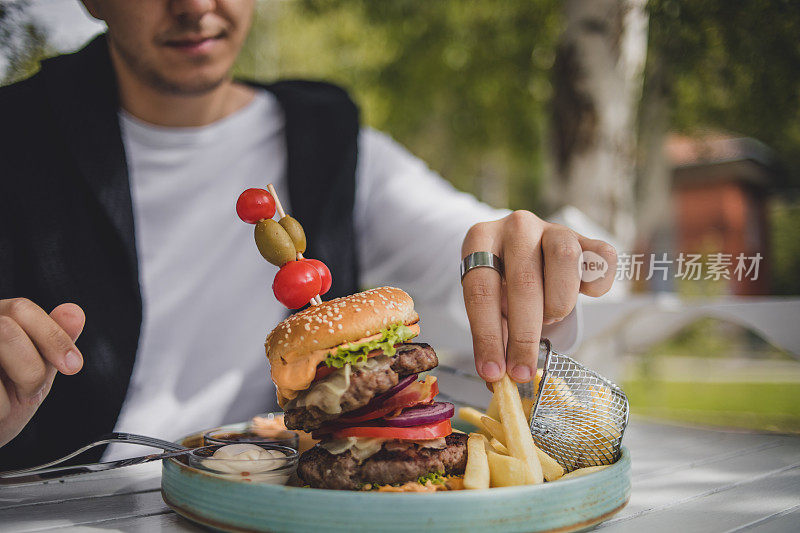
(339, 321)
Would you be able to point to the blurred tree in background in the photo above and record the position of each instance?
(465, 85)
(732, 66)
(729, 67)
(22, 43)
(597, 80)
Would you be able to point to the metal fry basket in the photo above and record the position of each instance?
(579, 416)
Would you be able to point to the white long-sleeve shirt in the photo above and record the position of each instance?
(208, 302)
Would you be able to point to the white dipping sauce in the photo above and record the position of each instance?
(244, 459)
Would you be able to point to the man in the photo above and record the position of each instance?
(121, 165)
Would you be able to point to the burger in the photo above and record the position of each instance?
(346, 372)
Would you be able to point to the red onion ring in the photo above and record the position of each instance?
(402, 384)
(422, 414)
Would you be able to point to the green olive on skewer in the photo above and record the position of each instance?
(295, 231)
(274, 242)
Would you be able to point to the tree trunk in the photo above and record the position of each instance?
(597, 86)
(654, 174)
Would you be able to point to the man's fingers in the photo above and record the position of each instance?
(600, 286)
(523, 268)
(71, 319)
(562, 254)
(20, 360)
(482, 300)
(482, 289)
(50, 339)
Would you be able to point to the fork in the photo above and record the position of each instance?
(49, 470)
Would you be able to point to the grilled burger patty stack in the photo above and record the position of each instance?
(346, 372)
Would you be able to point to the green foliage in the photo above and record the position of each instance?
(22, 43)
(733, 66)
(689, 378)
(701, 338)
(760, 406)
(785, 260)
(463, 84)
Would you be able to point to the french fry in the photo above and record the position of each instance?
(506, 471)
(550, 467)
(519, 440)
(563, 396)
(528, 403)
(476, 474)
(600, 433)
(584, 471)
(498, 446)
(472, 416)
(527, 407)
(492, 410)
(494, 428)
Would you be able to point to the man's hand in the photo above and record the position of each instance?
(541, 286)
(33, 347)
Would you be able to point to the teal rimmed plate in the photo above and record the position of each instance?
(570, 505)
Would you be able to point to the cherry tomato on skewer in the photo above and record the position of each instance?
(254, 205)
(324, 274)
(296, 283)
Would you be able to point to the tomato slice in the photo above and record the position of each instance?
(323, 371)
(425, 431)
(417, 392)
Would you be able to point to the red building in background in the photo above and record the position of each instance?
(719, 192)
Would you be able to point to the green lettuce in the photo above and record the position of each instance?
(354, 354)
(434, 477)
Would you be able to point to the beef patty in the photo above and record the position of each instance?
(321, 469)
(410, 358)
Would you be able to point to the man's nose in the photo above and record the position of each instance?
(193, 9)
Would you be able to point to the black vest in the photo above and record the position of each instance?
(67, 226)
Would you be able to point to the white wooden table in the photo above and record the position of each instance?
(684, 480)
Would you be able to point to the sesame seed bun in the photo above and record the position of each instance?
(339, 321)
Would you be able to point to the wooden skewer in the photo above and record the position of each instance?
(316, 300)
(278, 205)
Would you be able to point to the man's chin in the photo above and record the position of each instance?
(190, 86)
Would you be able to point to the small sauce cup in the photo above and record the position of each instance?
(275, 469)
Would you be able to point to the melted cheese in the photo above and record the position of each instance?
(326, 394)
(400, 445)
(294, 376)
(362, 448)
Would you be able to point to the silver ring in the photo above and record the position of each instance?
(481, 259)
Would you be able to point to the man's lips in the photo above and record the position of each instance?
(194, 45)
